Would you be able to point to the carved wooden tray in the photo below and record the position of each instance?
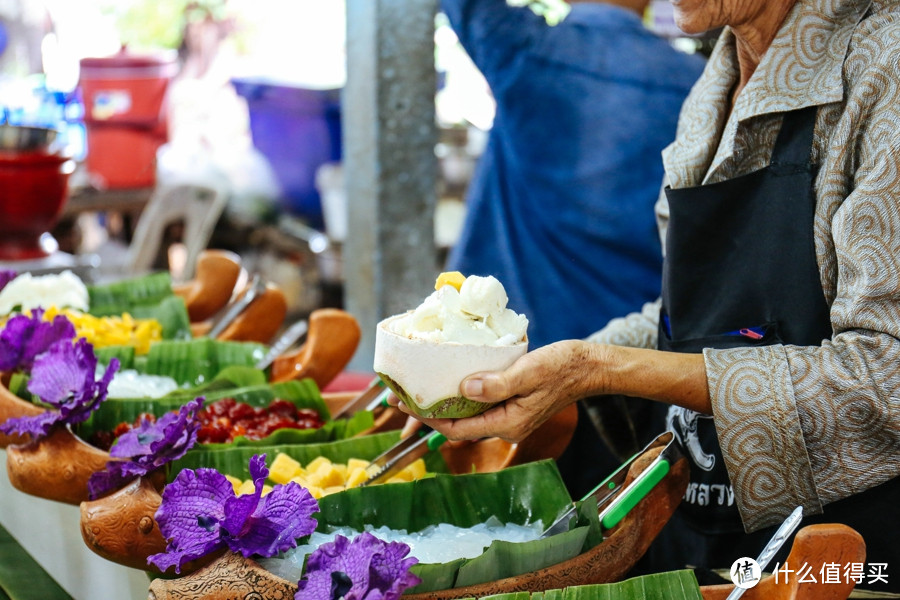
(121, 528)
(233, 576)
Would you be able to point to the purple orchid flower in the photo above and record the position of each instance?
(6, 275)
(200, 513)
(25, 338)
(365, 569)
(148, 448)
(63, 377)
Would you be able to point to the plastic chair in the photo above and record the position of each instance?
(198, 206)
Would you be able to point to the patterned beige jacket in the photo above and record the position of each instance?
(823, 422)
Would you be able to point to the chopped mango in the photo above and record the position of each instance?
(315, 491)
(316, 463)
(246, 488)
(397, 479)
(283, 468)
(314, 479)
(342, 469)
(403, 475)
(356, 477)
(329, 476)
(356, 463)
(454, 278)
(331, 489)
(266, 489)
(417, 469)
(235, 482)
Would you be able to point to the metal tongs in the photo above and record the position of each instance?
(256, 288)
(373, 396)
(403, 453)
(781, 535)
(614, 499)
(287, 339)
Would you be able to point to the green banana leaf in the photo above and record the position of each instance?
(234, 460)
(303, 394)
(194, 362)
(523, 494)
(147, 297)
(670, 585)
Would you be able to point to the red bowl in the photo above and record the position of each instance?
(33, 191)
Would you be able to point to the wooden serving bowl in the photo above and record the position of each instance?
(233, 576)
(121, 527)
(213, 284)
(11, 407)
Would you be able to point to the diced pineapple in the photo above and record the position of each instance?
(454, 278)
(356, 463)
(302, 480)
(283, 468)
(356, 477)
(315, 491)
(403, 475)
(342, 469)
(416, 470)
(266, 489)
(316, 463)
(314, 480)
(329, 476)
(246, 488)
(397, 479)
(235, 482)
(332, 489)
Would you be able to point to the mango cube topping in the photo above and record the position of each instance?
(454, 278)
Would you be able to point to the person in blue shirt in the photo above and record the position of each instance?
(560, 208)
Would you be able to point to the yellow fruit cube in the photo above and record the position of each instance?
(266, 489)
(356, 477)
(454, 278)
(342, 469)
(329, 476)
(235, 482)
(315, 491)
(316, 463)
(332, 489)
(403, 475)
(314, 480)
(356, 463)
(246, 488)
(283, 468)
(301, 479)
(416, 470)
(397, 479)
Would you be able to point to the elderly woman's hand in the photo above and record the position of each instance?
(546, 380)
(528, 393)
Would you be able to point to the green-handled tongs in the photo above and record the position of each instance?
(614, 499)
(403, 453)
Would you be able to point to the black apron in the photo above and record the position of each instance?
(740, 270)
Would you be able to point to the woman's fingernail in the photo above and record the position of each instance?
(472, 388)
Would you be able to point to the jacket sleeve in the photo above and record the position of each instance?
(493, 33)
(810, 425)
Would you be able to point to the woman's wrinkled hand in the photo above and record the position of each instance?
(528, 393)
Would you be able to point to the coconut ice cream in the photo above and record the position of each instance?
(462, 328)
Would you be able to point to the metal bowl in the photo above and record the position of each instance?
(19, 138)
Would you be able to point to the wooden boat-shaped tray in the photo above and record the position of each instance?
(121, 528)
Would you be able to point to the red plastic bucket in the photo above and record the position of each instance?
(125, 116)
(35, 189)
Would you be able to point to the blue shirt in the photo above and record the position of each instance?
(560, 208)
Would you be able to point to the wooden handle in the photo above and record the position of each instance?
(330, 344)
(815, 546)
(211, 289)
